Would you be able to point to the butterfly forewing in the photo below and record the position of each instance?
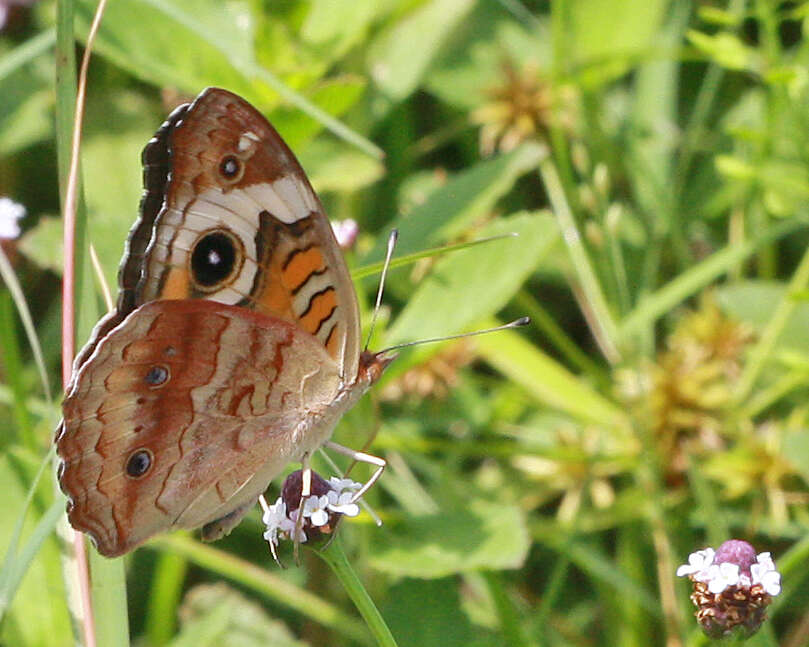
(241, 225)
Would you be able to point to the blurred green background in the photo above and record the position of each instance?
(544, 483)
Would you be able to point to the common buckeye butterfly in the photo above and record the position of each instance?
(234, 347)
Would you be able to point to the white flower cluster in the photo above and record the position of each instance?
(718, 577)
(316, 509)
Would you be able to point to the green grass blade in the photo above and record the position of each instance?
(14, 287)
(264, 583)
(691, 281)
(27, 52)
(548, 381)
(14, 564)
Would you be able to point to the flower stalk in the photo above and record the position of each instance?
(334, 555)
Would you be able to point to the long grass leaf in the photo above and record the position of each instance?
(548, 381)
(762, 351)
(22, 560)
(692, 280)
(10, 279)
(264, 583)
(27, 52)
(10, 572)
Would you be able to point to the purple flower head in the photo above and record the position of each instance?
(732, 587)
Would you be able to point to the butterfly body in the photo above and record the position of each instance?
(234, 346)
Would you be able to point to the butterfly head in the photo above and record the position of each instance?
(372, 365)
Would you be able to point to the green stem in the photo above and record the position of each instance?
(164, 599)
(600, 318)
(762, 351)
(511, 625)
(335, 557)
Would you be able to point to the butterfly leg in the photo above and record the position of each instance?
(362, 457)
(306, 490)
(218, 528)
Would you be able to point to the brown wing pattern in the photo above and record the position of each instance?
(183, 414)
(240, 224)
(155, 160)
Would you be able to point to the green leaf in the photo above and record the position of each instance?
(462, 200)
(263, 581)
(335, 97)
(111, 160)
(184, 45)
(216, 614)
(547, 380)
(399, 58)
(724, 48)
(31, 565)
(467, 286)
(690, 281)
(471, 65)
(795, 451)
(336, 27)
(333, 167)
(755, 302)
(604, 34)
(481, 535)
(427, 614)
(44, 243)
(195, 44)
(16, 563)
(26, 95)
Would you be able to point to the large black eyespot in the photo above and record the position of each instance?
(230, 168)
(213, 259)
(156, 376)
(138, 463)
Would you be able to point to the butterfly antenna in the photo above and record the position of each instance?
(517, 323)
(394, 236)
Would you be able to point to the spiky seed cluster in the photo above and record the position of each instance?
(691, 385)
(522, 107)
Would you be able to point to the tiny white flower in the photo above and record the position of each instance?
(315, 508)
(345, 231)
(765, 561)
(342, 503)
(771, 582)
(10, 213)
(274, 518)
(721, 576)
(339, 485)
(288, 527)
(698, 564)
(764, 573)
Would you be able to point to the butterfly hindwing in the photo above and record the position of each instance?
(180, 408)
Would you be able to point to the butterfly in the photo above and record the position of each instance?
(234, 347)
